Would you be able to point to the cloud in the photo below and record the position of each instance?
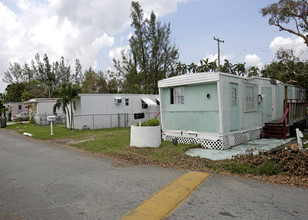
(116, 52)
(23, 4)
(110, 16)
(213, 57)
(295, 43)
(253, 60)
(129, 35)
(160, 7)
(70, 28)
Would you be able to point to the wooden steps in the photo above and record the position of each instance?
(295, 112)
(276, 130)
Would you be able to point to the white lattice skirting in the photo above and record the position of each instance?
(222, 143)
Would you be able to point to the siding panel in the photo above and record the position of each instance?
(199, 111)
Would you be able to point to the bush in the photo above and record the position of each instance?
(151, 122)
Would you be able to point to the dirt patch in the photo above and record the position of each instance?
(63, 141)
(121, 163)
(284, 179)
(67, 141)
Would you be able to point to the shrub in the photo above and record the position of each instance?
(151, 122)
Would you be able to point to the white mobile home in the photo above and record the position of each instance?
(40, 108)
(220, 110)
(97, 111)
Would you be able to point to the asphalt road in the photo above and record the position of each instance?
(42, 180)
(226, 197)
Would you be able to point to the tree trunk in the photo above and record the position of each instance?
(71, 116)
(68, 116)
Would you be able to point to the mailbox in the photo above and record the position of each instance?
(51, 118)
(138, 115)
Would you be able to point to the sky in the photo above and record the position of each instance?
(96, 31)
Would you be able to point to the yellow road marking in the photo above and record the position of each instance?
(162, 203)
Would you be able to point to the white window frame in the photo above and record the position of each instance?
(178, 95)
(250, 98)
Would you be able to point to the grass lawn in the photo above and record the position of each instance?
(42, 132)
(114, 143)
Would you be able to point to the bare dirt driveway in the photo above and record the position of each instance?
(41, 180)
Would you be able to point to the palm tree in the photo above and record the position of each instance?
(204, 65)
(239, 69)
(253, 71)
(68, 93)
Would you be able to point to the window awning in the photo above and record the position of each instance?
(149, 102)
(117, 98)
(158, 99)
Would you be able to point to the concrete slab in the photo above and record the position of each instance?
(259, 145)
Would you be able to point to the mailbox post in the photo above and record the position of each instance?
(51, 118)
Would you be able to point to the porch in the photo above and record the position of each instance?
(295, 116)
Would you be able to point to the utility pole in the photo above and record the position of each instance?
(218, 41)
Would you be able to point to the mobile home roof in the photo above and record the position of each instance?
(194, 78)
(205, 77)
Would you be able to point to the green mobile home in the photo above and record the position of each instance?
(220, 110)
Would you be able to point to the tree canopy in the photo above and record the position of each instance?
(94, 82)
(238, 69)
(151, 54)
(289, 11)
(287, 68)
(40, 78)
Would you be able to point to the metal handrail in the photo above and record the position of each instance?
(284, 115)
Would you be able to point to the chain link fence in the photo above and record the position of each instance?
(98, 121)
(41, 119)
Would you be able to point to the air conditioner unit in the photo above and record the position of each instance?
(118, 100)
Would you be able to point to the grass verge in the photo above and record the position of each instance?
(268, 168)
(114, 143)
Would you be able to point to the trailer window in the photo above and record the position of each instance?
(250, 97)
(177, 95)
(234, 97)
(144, 105)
